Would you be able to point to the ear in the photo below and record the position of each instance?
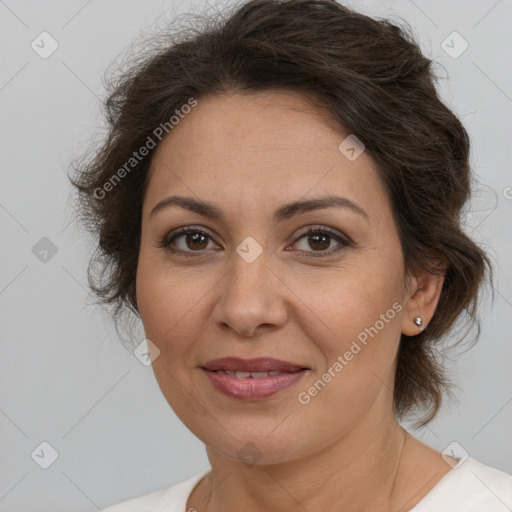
(424, 292)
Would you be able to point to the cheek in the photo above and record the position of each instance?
(169, 300)
(346, 301)
(357, 331)
(356, 326)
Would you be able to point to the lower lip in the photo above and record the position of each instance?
(252, 388)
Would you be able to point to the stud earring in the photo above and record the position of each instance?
(419, 322)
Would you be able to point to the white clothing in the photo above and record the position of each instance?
(468, 487)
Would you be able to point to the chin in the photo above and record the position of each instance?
(266, 445)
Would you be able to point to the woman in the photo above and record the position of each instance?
(279, 201)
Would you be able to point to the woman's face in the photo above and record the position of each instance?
(251, 283)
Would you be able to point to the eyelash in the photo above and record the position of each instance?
(166, 241)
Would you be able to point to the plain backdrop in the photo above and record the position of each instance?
(66, 379)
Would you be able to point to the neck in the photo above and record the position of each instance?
(356, 472)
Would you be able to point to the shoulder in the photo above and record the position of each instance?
(169, 499)
(469, 487)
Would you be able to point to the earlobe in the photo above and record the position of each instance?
(422, 302)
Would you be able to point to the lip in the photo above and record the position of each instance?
(250, 388)
(260, 364)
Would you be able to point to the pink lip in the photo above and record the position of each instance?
(261, 364)
(250, 388)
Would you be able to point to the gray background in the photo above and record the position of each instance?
(65, 377)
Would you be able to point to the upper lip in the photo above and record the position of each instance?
(260, 364)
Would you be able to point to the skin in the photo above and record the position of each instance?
(248, 155)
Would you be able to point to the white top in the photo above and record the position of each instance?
(468, 487)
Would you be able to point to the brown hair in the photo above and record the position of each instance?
(372, 78)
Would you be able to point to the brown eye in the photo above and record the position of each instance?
(195, 241)
(320, 240)
(186, 240)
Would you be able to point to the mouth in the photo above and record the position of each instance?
(252, 375)
(253, 366)
(252, 379)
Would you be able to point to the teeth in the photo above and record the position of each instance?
(259, 374)
(254, 375)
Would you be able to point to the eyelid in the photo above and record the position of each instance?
(343, 240)
(166, 240)
(313, 228)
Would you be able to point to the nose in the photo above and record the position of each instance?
(251, 297)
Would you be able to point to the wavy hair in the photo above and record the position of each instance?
(372, 79)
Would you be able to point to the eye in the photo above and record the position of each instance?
(320, 239)
(193, 240)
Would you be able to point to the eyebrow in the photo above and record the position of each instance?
(284, 212)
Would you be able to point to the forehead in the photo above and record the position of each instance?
(260, 147)
(266, 122)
